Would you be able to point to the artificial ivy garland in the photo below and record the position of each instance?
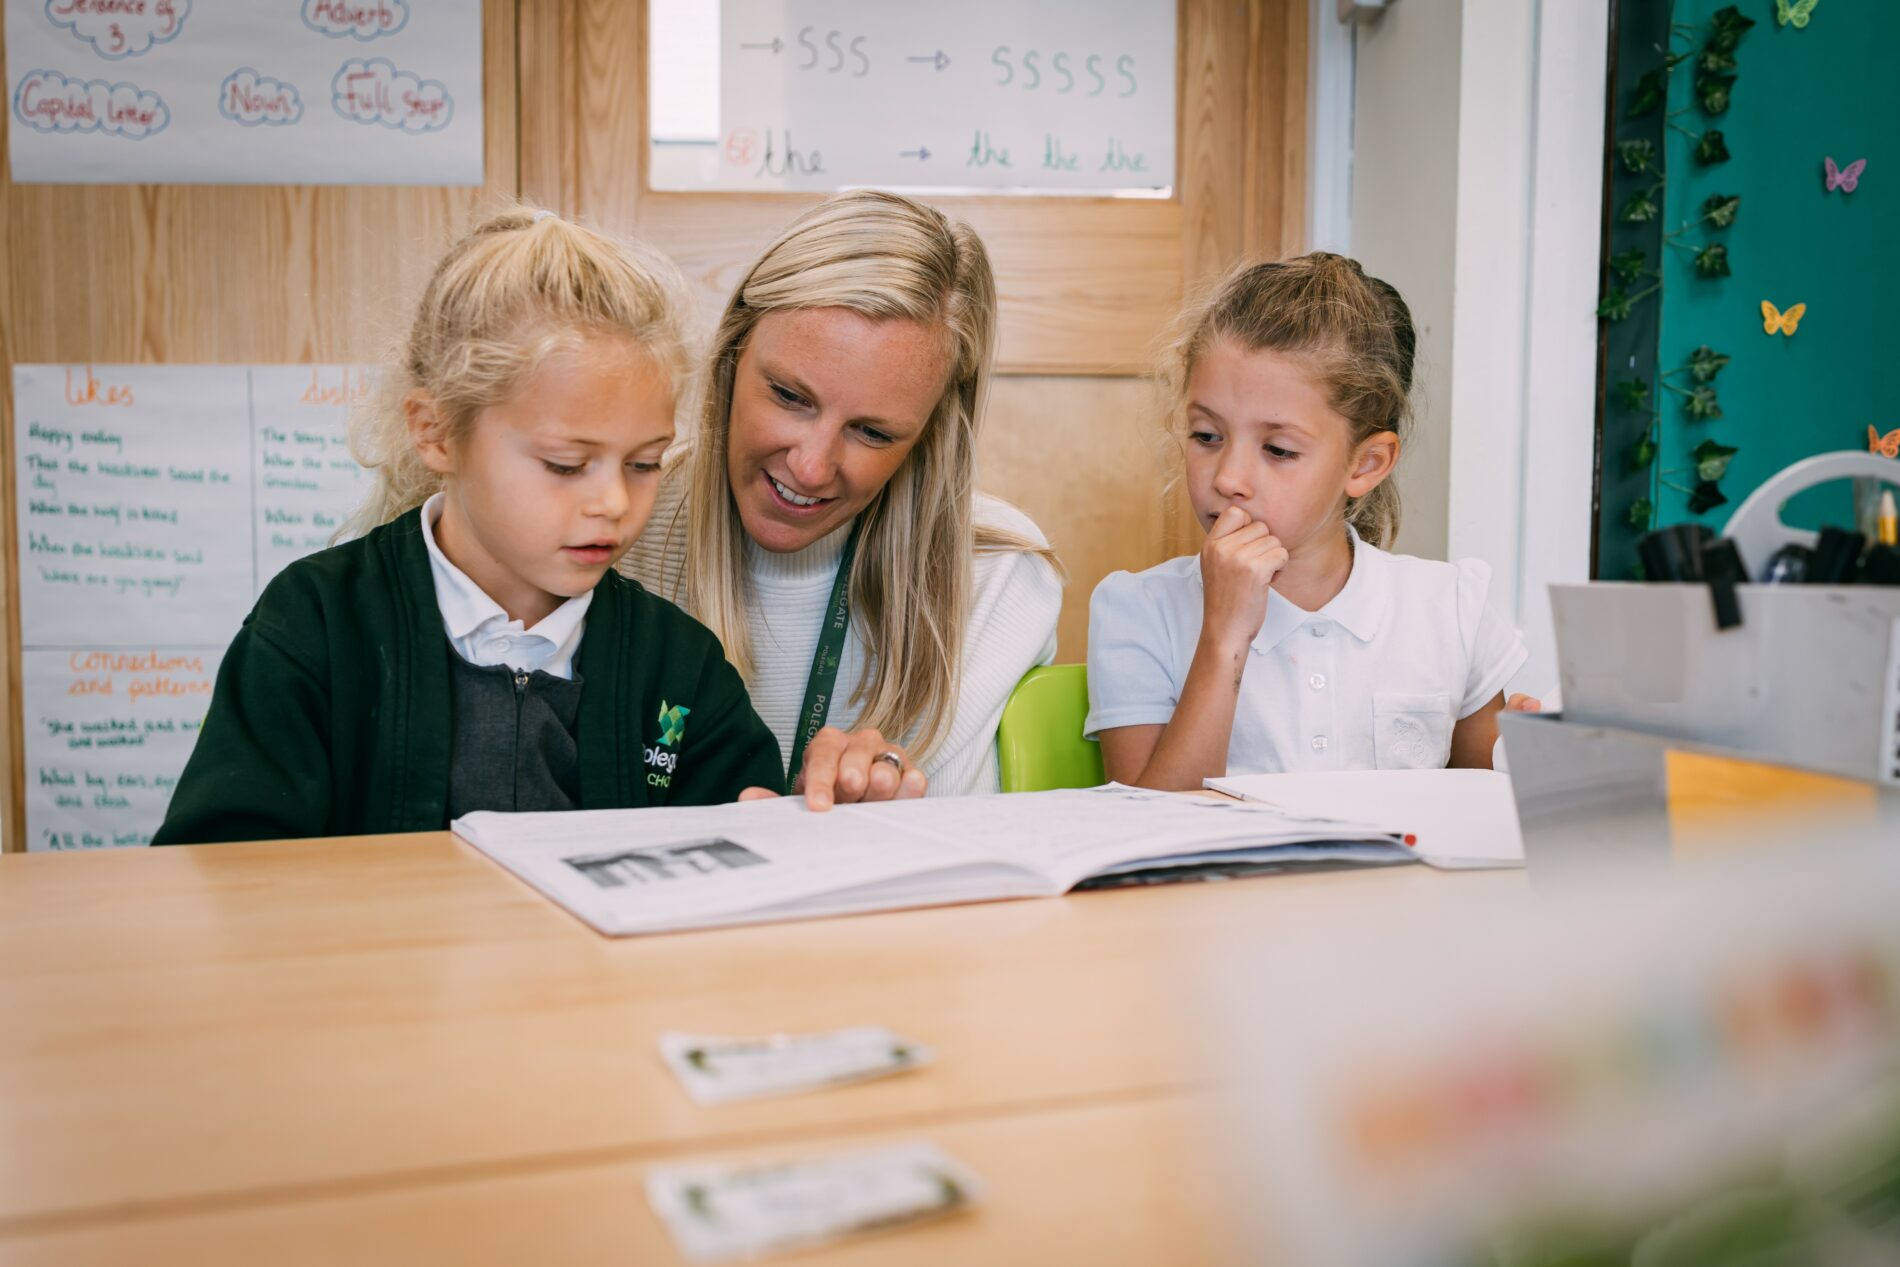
(1715, 73)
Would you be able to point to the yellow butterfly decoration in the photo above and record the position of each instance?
(1887, 446)
(1794, 13)
(1786, 322)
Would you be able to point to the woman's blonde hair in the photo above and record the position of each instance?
(519, 287)
(1355, 331)
(884, 258)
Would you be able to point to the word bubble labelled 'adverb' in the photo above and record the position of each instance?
(363, 21)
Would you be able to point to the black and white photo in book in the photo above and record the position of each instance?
(643, 866)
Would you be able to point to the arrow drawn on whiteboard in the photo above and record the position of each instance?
(777, 46)
(921, 153)
(939, 58)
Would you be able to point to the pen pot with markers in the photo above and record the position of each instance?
(1767, 659)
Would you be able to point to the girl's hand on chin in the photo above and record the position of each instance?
(860, 766)
(1238, 562)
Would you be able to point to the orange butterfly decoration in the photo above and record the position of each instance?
(1887, 446)
(1773, 321)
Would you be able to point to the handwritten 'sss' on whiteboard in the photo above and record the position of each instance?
(245, 91)
(154, 503)
(1055, 96)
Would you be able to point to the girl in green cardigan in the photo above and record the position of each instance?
(473, 647)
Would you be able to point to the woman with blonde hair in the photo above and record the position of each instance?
(824, 520)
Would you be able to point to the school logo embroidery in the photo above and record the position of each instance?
(672, 724)
(1410, 744)
(661, 763)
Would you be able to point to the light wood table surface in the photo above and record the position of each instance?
(387, 1049)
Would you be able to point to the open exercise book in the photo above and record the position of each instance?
(656, 870)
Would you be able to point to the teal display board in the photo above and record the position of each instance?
(1800, 95)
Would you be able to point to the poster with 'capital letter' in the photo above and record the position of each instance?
(231, 92)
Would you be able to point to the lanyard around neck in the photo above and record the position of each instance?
(825, 660)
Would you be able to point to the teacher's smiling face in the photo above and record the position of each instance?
(826, 405)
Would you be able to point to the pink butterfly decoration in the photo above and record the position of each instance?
(1846, 180)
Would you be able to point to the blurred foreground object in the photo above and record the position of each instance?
(1694, 1068)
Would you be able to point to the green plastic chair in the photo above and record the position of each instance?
(1039, 745)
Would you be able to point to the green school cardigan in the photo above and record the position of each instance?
(330, 716)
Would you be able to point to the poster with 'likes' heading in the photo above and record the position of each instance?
(273, 92)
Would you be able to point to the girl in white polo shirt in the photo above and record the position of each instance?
(1292, 641)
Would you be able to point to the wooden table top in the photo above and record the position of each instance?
(357, 1048)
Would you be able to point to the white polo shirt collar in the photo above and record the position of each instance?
(1358, 608)
(481, 631)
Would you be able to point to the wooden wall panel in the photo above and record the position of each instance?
(1081, 288)
(1243, 133)
(1210, 164)
(219, 273)
(1085, 458)
(197, 274)
(1273, 188)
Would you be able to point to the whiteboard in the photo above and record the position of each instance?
(1049, 97)
(154, 504)
(283, 92)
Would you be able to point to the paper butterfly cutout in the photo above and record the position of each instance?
(1887, 446)
(1786, 322)
(1795, 14)
(1847, 178)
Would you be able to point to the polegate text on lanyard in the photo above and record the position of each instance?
(825, 660)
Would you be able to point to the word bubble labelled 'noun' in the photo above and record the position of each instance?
(250, 98)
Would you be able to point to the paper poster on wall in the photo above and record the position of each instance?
(1059, 96)
(306, 480)
(107, 732)
(154, 504)
(292, 92)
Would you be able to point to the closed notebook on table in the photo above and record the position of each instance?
(1456, 820)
